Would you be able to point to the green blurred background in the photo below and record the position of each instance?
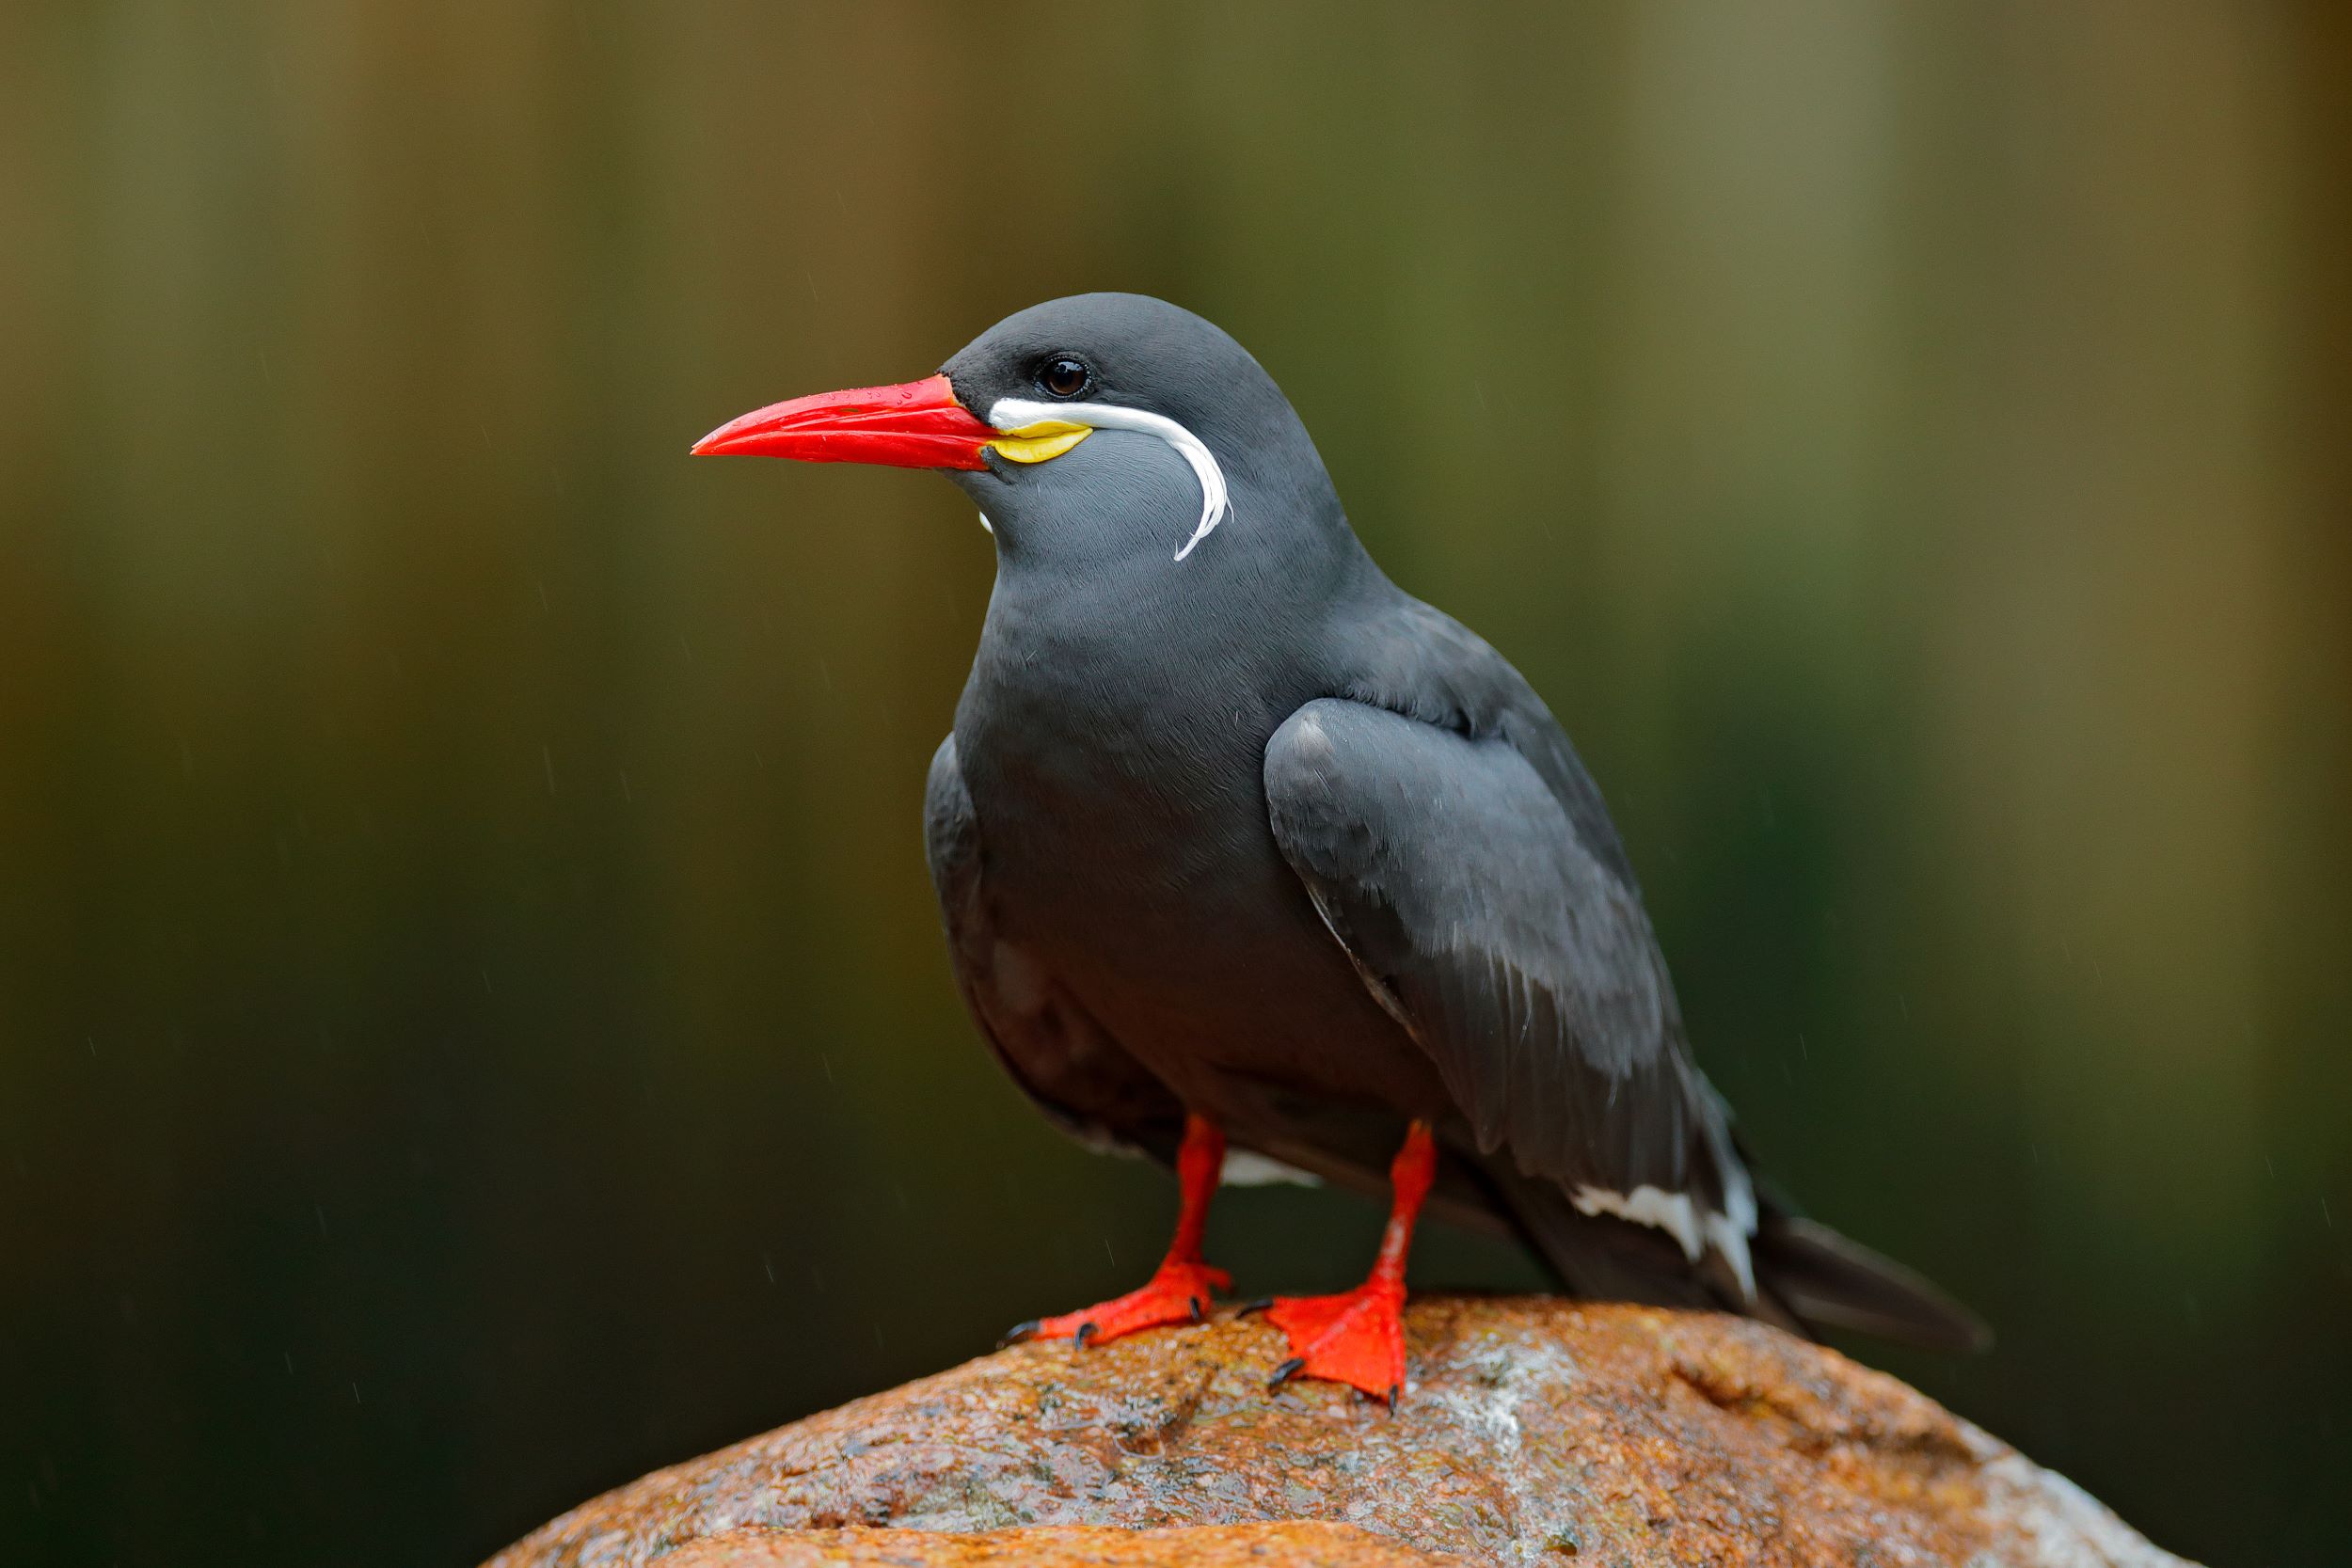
(473, 1024)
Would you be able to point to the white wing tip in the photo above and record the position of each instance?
(1679, 1217)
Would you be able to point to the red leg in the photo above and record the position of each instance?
(1359, 1338)
(1182, 1287)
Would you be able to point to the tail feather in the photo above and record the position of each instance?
(1831, 1281)
(1809, 1279)
(1601, 1258)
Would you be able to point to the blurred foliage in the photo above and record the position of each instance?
(471, 1021)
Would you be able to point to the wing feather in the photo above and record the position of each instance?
(1516, 953)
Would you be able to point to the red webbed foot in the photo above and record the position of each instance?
(1356, 1337)
(1185, 1288)
(1180, 1292)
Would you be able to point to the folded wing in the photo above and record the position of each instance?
(1519, 958)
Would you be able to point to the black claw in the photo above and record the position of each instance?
(1287, 1370)
(1019, 1332)
(1198, 1315)
(1248, 1306)
(1086, 1331)
(1394, 1389)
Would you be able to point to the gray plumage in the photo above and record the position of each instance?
(1256, 833)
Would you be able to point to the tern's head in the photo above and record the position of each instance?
(1100, 423)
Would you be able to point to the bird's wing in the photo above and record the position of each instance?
(1515, 950)
(1065, 1061)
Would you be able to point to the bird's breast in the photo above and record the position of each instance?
(1117, 773)
(1128, 790)
(1119, 797)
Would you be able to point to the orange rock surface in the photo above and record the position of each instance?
(1534, 1431)
(1297, 1544)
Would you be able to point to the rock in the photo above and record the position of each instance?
(1535, 1430)
(1294, 1544)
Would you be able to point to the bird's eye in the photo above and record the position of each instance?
(1063, 376)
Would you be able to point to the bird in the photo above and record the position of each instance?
(1253, 864)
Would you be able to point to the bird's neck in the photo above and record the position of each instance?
(1233, 601)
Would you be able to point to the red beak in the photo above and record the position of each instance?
(917, 424)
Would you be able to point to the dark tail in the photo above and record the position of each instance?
(1829, 1282)
(1809, 1279)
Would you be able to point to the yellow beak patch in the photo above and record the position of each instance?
(1035, 443)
